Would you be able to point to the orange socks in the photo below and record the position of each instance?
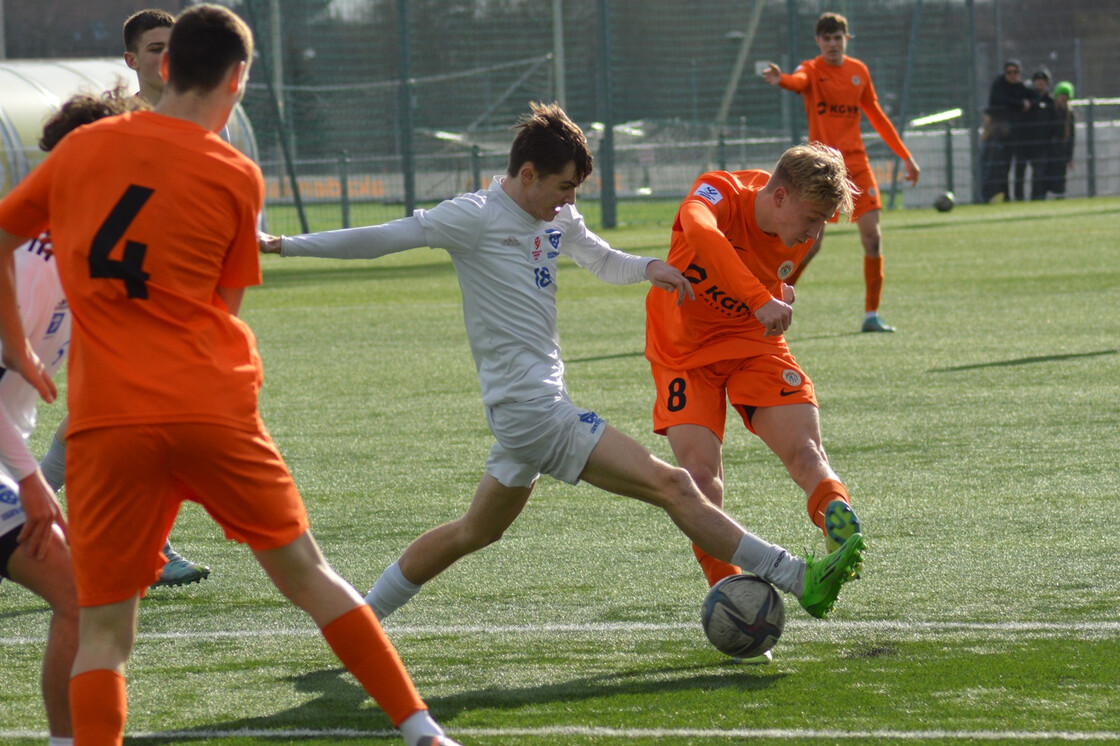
(873, 278)
(98, 706)
(824, 493)
(714, 570)
(359, 642)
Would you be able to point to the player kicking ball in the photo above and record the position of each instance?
(505, 242)
(737, 237)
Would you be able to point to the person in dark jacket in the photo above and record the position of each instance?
(1008, 102)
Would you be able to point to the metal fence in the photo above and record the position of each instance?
(364, 109)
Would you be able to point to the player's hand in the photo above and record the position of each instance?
(42, 510)
(912, 171)
(667, 277)
(267, 243)
(775, 317)
(787, 294)
(772, 74)
(32, 369)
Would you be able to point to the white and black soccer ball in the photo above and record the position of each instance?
(944, 202)
(743, 616)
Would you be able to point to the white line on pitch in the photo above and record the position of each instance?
(803, 626)
(632, 733)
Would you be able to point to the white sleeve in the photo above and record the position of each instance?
(369, 242)
(596, 255)
(14, 453)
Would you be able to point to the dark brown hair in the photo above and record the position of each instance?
(141, 21)
(206, 41)
(549, 140)
(85, 108)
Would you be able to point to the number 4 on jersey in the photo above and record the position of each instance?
(130, 267)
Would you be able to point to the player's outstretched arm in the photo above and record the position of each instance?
(772, 74)
(369, 242)
(667, 277)
(267, 243)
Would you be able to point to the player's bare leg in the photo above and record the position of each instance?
(621, 465)
(700, 452)
(98, 702)
(52, 579)
(301, 572)
(793, 433)
(492, 511)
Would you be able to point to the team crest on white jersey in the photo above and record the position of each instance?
(785, 270)
(855, 80)
(709, 193)
(791, 376)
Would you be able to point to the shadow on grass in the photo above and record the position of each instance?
(342, 703)
(1024, 361)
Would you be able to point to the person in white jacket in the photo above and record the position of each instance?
(504, 242)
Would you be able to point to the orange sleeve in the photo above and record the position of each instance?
(707, 241)
(869, 102)
(796, 81)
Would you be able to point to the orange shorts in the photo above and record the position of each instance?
(125, 486)
(868, 197)
(699, 396)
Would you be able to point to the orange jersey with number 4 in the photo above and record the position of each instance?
(732, 277)
(834, 97)
(141, 253)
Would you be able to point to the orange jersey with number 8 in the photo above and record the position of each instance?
(141, 253)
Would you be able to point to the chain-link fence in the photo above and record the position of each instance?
(372, 107)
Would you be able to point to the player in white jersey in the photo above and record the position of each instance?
(504, 242)
(33, 549)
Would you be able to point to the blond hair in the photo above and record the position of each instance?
(816, 173)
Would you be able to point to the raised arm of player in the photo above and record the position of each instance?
(18, 354)
(369, 242)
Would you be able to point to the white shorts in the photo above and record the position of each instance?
(11, 510)
(550, 435)
(12, 519)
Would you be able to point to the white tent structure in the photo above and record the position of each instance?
(32, 90)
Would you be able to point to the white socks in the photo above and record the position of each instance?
(391, 591)
(772, 563)
(60, 741)
(418, 725)
(53, 464)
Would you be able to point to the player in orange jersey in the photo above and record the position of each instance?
(163, 381)
(737, 238)
(835, 89)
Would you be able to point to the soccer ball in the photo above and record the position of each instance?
(743, 616)
(944, 202)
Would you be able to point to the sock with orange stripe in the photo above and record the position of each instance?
(824, 493)
(98, 707)
(360, 643)
(714, 569)
(873, 279)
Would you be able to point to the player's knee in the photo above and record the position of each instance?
(708, 482)
(807, 460)
(677, 487)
